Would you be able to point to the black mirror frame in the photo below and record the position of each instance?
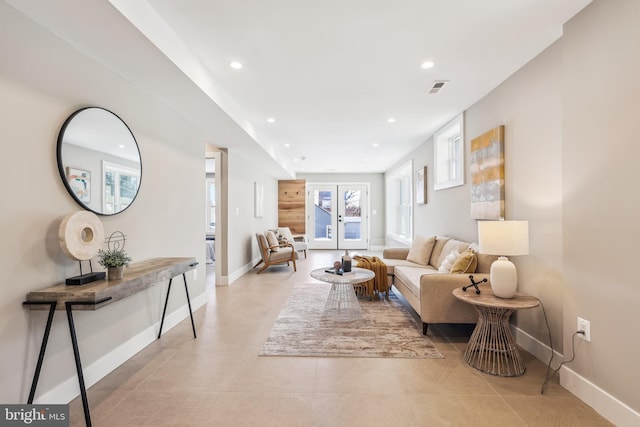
(61, 167)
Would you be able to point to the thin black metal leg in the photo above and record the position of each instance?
(76, 355)
(186, 290)
(43, 347)
(165, 307)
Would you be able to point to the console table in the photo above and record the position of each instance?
(93, 296)
(491, 348)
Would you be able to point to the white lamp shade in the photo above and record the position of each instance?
(503, 237)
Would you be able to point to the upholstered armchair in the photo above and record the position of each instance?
(299, 242)
(274, 254)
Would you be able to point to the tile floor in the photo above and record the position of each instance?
(218, 379)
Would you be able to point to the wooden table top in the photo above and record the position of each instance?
(137, 277)
(357, 275)
(487, 299)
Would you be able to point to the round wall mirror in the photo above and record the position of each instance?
(99, 161)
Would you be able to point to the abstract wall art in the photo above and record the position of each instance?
(487, 175)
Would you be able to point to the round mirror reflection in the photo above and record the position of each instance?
(99, 161)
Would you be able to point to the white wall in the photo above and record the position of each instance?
(601, 106)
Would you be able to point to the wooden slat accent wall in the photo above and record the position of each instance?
(291, 205)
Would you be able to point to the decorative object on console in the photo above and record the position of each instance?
(504, 238)
(81, 234)
(474, 284)
(115, 258)
(487, 175)
(97, 153)
(346, 261)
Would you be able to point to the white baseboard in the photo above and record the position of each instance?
(602, 402)
(69, 389)
(537, 348)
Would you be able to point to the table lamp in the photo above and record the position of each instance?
(503, 238)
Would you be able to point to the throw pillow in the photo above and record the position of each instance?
(448, 262)
(272, 240)
(421, 248)
(465, 263)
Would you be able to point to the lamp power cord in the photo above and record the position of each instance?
(547, 376)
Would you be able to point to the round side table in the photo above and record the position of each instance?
(491, 348)
(342, 303)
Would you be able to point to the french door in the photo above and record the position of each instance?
(337, 216)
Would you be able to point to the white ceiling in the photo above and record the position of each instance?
(331, 72)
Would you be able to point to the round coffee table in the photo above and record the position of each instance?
(491, 348)
(342, 303)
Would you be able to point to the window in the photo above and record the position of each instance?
(448, 152)
(400, 203)
(120, 185)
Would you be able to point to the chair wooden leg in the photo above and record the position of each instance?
(264, 267)
(305, 254)
(259, 262)
(424, 328)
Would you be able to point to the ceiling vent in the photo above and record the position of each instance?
(437, 85)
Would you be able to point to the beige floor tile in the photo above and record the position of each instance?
(345, 375)
(273, 374)
(544, 411)
(260, 409)
(460, 410)
(361, 410)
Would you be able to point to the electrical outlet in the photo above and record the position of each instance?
(584, 325)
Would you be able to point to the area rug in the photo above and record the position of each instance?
(387, 329)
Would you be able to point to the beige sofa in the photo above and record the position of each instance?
(428, 290)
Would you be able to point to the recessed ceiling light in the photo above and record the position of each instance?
(121, 146)
(375, 144)
(427, 64)
(365, 160)
(235, 65)
(271, 120)
(287, 145)
(391, 120)
(296, 159)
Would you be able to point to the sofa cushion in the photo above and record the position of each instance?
(448, 261)
(272, 240)
(392, 263)
(421, 248)
(410, 276)
(450, 246)
(465, 263)
(435, 260)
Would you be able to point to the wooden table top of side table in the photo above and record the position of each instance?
(491, 348)
(488, 299)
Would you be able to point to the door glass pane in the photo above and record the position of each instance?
(322, 206)
(352, 215)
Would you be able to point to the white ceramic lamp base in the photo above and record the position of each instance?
(504, 278)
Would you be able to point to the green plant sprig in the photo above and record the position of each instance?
(113, 258)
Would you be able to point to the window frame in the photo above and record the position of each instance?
(448, 155)
(399, 205)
